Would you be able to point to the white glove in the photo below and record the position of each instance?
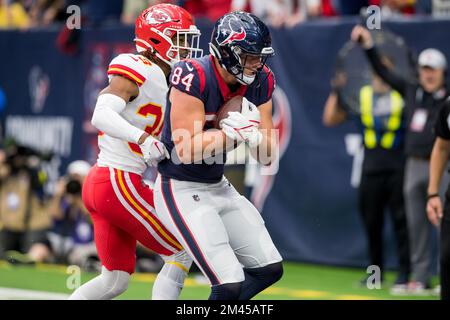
(251, 112)
(237, 127)
(153, 151)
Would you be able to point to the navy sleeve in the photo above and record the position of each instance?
(441, 127)
(189, 77)
(264, 91)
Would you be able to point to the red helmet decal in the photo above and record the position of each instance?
(234, 36)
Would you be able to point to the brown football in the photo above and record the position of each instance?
(234, 104)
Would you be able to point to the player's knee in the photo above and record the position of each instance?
(268, 274)
(115, 282)
(227, 291)
(275, 271)
(181, 258)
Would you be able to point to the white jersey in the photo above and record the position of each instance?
(145, 112)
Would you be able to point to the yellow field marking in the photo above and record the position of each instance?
(51, 267)
(310, 294)
(273, 290)
(354, 297)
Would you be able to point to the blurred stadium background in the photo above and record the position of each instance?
(49, 80)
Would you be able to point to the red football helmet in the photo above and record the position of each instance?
(156, 27)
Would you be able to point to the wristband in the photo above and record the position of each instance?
(433, 195)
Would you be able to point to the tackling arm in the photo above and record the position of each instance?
(111, 102)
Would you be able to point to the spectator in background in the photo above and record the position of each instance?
(383, 123)
(13, 15)
(395, 8)
(423, 97)
(209, 9)
(287, 13)
(133, 8)
(70, 240)
(45, 12)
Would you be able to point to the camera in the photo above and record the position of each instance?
(73, 187)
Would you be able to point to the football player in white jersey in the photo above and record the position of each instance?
(129, 115)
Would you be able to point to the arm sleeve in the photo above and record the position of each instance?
(264, 91)
(107, 119)
(441, 127)
(394, 80)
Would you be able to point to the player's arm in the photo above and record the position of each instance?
(362, 36)
(333, 114)
(110, 103)
(438, 162)
(187, 118)
(265, 152)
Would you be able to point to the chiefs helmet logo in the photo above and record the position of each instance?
(158, 16)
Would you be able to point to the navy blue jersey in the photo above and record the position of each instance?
(200, 78)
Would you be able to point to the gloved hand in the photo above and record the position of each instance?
(153, 151)
(250, 112)
(237, 127)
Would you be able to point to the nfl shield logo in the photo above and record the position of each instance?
(196, 197)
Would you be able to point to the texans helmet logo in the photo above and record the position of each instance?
(234, 35)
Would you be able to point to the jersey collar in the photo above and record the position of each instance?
(223, 87)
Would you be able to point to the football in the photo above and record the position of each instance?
(234, 104)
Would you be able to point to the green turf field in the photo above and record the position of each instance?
(300, 281)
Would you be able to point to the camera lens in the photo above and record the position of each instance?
(73, 187)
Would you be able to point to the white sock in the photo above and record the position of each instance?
(170, 279)
(106, 286)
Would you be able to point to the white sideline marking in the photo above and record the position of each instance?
(22, 294)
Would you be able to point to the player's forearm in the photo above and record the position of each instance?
(107, 119)
(439, 158)
(202, 145)
(267, 150)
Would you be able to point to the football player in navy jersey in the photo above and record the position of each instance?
(221, 230)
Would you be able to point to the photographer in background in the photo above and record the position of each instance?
(70, 240)
(423, 97)
(24, 217)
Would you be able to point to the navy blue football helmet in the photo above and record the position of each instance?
(236, 36)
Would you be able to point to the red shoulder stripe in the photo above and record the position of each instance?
(200, 72)
(271, 82)
(126, 72)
